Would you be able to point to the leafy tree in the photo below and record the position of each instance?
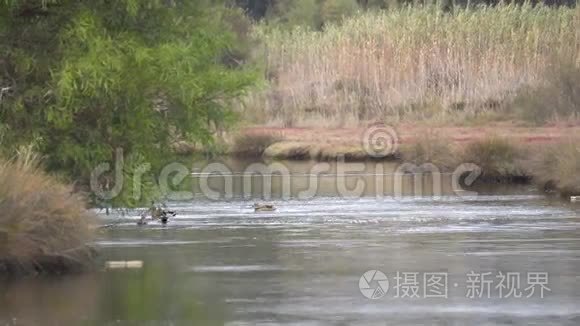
(82, 78)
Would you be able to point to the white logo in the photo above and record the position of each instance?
(380, 141)
(379, 282)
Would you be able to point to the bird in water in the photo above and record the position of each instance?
(157, 213)
(142, 220)
(165, 216)
(258, 207)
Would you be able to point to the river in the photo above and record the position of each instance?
(504, 256)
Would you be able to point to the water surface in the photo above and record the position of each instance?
(220, 263)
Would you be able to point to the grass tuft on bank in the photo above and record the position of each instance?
(252, 145)
(431, 147)
(499, 159)
(44, 227)
(557, 168)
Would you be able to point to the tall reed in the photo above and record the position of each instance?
(414, 61)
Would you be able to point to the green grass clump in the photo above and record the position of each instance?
(557, 167)
(499, 159)
(44, 227)
(431, 147)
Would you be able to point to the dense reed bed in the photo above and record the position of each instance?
(414, 62)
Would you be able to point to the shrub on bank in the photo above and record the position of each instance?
(499, 159)
(44, 227)
(253, 144)
(557, 167)
(431, 147)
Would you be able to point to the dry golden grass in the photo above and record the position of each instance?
(411, 63)
(44, 227)
(552, 165)
(558, 98)
(291, 150)
(253, 144)
(431, 147)
(500, 159)
(294, 150)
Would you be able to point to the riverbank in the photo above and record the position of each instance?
(496, 86)
(507, 152)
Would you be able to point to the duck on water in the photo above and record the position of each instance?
(157, 213)
(162, 214)
(259, 207)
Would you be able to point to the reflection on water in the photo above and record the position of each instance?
(220, 263)
(308, 179)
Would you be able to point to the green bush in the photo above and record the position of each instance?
(296, 13)
(557, 167)
(498, 158)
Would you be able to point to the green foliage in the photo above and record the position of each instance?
(305, 12)
(292, 13)
(312, 14)
(336, 10)
(242, 51)
(88, 77)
